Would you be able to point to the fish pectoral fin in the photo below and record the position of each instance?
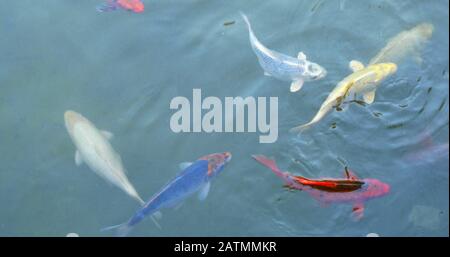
(204, 192)
(267, 74)
(358, 211)
(340, 107)
(296, 85)
(155, 216)
(184, 165)
(78, 159)
(322, 202)
(108, 135)
(369, 97)
(355, 65)
(291, 188)
(301, 56)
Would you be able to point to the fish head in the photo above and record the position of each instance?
(314, 71)
(216, 162)
(71, 118)
(425, 29)
(375, 188)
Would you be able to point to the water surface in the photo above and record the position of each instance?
(121, 71)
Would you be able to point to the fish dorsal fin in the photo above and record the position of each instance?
(184, 165)
(108, 135)
(204, 191)
(78, 159)
(301, 56)
(350, 175)
(299, 179)
(369, 97)
(296, 85)
(356, 65)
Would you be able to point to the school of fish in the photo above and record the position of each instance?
(93, 146)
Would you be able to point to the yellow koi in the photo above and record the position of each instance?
(363, 80)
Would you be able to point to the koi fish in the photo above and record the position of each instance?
(94, 149)
(406, 43)
(350, 189)
(194, 177)
(130, 5)
(284, 67)
(363, 80)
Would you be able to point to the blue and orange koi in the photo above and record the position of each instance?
(194, 177)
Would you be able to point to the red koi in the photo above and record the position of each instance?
(350, 189)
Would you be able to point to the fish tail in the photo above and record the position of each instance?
(121, 229)
(301, 128)
(253, 38)
(245, 19)
(131, 191)
(139, 199)
(271, 164)
(323, 110)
